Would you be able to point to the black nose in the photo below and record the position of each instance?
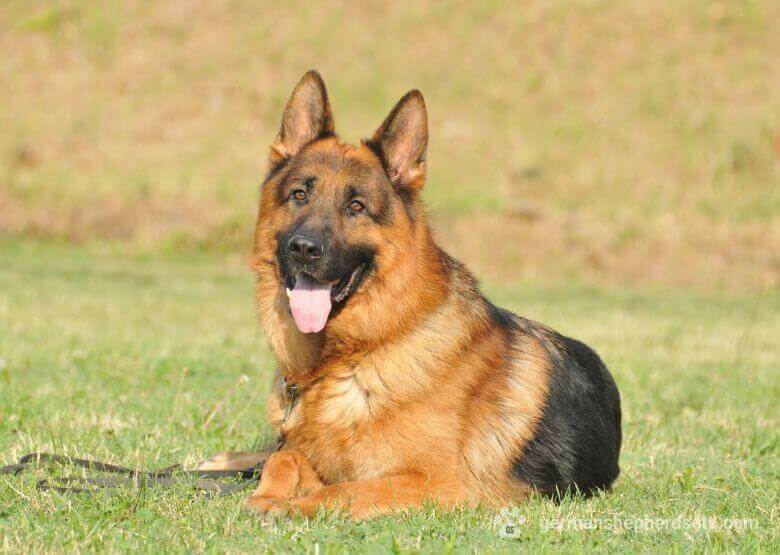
(304, 248)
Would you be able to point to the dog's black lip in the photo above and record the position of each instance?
(289, 281)
(347, 284)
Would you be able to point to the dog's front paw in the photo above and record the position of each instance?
(268, 505)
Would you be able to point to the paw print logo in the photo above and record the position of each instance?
(508, 522)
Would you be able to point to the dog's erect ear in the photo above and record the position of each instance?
(401, 141)
(307, 116)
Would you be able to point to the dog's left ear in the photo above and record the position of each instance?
(307, 116)
(402, 140)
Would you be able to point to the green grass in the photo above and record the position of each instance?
(124, 357)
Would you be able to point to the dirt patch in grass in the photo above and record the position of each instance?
(502, 246)
(699, 254)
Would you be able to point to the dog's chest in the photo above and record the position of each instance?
(340, 426)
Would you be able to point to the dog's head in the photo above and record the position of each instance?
(334, 216)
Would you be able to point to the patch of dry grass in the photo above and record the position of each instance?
(624, 141)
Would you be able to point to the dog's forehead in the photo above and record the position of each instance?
(335, 161)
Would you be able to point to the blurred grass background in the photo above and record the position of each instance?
(619, 142)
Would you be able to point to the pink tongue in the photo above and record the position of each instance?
(310, 304)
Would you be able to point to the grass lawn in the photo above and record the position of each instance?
(126, 358)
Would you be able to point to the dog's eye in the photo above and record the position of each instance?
(299, 195)
(356, 206)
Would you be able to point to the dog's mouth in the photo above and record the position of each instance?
(312, 301)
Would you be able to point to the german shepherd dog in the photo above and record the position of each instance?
(410, 386)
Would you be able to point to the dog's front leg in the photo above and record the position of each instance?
(369, 498)
(286, 476)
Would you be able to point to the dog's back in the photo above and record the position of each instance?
(573, 443)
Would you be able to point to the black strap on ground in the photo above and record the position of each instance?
(206, 481)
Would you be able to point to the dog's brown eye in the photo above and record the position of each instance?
(356, 206)
(299, 195)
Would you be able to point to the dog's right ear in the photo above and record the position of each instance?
(307, 116)
(401, 142)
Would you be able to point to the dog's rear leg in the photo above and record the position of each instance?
(369, 498)
(236, 460)
(286, 476)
